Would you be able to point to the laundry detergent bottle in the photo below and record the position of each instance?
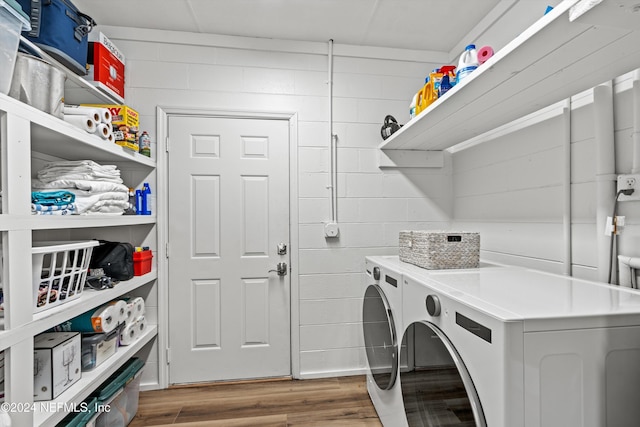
(468, 62)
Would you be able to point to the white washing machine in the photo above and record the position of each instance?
(522, 349)
(382, 328)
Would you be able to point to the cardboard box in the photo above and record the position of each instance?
(106, 65)
(56, 363)
(125, 121)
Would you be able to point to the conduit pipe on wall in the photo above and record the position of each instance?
(635, 93)
(333, 175)
(605, 171)
(627, 266)
(566, 222)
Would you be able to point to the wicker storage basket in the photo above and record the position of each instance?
(438, 250)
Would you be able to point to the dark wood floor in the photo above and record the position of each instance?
(339, 401)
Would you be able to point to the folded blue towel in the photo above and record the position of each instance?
(52, 198)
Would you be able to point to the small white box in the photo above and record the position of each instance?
(56, 363)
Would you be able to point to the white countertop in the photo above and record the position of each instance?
(518, 294)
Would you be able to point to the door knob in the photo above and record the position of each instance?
(281, 269)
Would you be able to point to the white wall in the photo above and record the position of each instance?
(186, 70)
(510, 189)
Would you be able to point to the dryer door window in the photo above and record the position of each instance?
(436, 387)
(380, 340)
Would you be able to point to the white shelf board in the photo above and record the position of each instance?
(550, 61)
(55, 137)
(53, 222)
(54, 316)
(91, 379)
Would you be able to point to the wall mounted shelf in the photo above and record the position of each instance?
(552, 60)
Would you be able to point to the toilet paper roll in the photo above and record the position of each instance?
(119, 310)
(77, 110)
(83, 122)
(129, 334)
(484, 54)
(103, 320)
(138, 308)
(141, 325)
(104, 130)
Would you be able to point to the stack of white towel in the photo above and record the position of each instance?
(92, 119)
(98, 188)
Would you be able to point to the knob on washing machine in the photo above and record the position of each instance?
(433, 305)
(376, 273)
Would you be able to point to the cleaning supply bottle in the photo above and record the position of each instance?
(138, 202)
(445, 85)
(145, 144)
(423, 96)
(146, 199)
(412, 107)
(436, 76)
(468, 62)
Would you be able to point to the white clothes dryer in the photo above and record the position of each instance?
(511, 347)
(382, 328)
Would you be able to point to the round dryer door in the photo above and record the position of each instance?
(380, 340)
(436, 387)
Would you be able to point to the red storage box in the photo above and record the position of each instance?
(106, 66)
(142, 262)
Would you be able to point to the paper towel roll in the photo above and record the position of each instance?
(103, 130)
(105, 115)
(77, 110)
(129, 334)
(484, 54)
(104, 320)
(83, 122)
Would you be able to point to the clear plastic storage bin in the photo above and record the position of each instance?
(120, 393)
(12, 21)
(59, 271)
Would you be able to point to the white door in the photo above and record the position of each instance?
(228, 212)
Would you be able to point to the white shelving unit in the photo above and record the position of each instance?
(81, 390)
(27, 134)
(560, 55)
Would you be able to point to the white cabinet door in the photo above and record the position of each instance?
(228, 212)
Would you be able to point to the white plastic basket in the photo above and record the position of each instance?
(59, 271)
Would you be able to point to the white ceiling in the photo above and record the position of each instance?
(409, 24)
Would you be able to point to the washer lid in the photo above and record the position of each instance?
(380, 340)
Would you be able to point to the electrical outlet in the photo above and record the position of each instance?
(629, 182)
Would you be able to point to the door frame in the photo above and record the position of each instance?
(162, 160)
